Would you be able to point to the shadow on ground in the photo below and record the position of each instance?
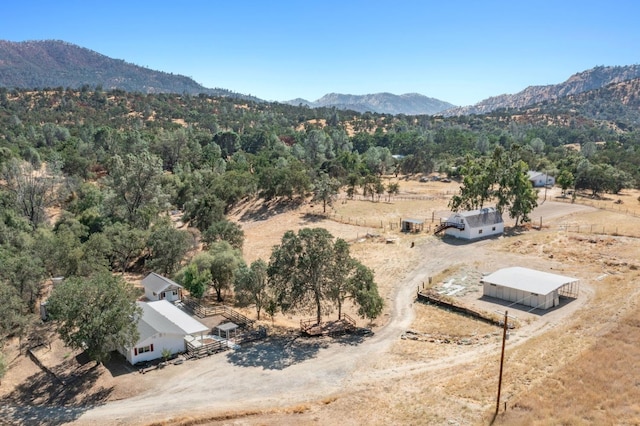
(277, 352)
(45, 399)
(269, 209)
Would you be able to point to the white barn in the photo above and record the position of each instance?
(162, 326)
(541, 290)
(157, 287)
(473, 224)
(539, 179)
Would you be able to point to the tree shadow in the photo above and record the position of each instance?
(353, 339)
(271, 208)
(118, 365)
(277, 352)
(312, 218)
(45, 399)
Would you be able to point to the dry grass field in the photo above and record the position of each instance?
(576, 364)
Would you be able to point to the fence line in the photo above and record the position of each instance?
(621, 209)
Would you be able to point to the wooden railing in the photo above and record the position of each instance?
(306, 324)
(205, 350)
(207, 311)
(445, 225)
(350, 322)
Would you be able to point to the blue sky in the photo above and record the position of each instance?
(457, 51)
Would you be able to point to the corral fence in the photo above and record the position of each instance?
(203, 311)
(216, 346)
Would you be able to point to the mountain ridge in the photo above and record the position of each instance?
(584, 81)
(383, 102)
(56, 63)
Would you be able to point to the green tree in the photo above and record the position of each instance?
(3, 366)
(32, 190)
(135, 194)
(194, 280)
(309, 272)
(224, 265)
(517, 195)
(350, 279)
(371, 186)
(565, 180)
(325, 190)
(224, 230)
(98, 314)
(127, 243)
(167, 247)
(251, 285)
(12, 311)
(393, 188)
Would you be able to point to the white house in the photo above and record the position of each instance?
(540, 290)
(473, 224)
(162, 326)
(539, 179)
(157, 287)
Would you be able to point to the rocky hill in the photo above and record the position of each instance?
(53, 63)
(585, 81)
(387, 103)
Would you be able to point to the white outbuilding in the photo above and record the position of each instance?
(540, 290)
(157, 287)
(473, 224)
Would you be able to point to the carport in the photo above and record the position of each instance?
(540, 290)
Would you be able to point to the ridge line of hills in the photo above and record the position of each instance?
(55, 63)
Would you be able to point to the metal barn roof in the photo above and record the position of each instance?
(163, 317)
(482, 217)
(528, 280)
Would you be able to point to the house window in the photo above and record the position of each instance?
(144, 349)
(492, 285)
(534, 294)
(175, 292)
(480, 231)
(493, 229)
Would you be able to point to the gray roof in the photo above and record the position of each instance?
(482, 217)
(163, 317)
(158, 283)
(414, 221)
(528, 280)
(227, 326)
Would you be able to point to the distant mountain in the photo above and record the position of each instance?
(594, 78)
(387, 103)
(617, 103)
(54, 63)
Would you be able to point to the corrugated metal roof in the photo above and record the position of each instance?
(482, 217)
(163, 317)
(158, 283)
(528, 280)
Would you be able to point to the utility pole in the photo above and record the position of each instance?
(504, 338)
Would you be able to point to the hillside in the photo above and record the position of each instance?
(53, 63)
(384, 103)
(585, 81)
(617, 103)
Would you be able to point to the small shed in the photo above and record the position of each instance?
(412, 225)
(226, 328)
(157, 287)
(529, 287)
